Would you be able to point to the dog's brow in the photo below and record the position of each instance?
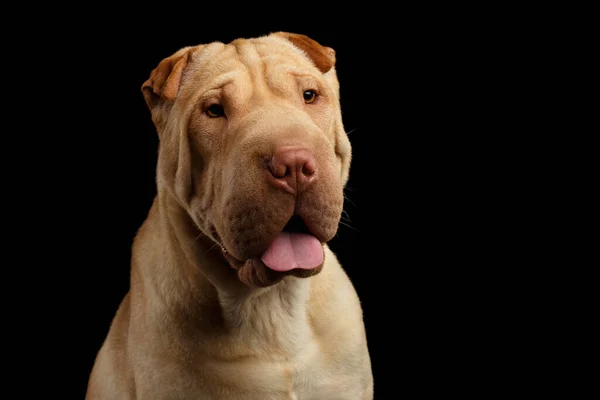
(297, 72)
(220, 85)
(294, 70)
(222, 81)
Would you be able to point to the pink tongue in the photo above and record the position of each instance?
(293, 250)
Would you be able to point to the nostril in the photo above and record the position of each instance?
(308, 168)
(279, 170)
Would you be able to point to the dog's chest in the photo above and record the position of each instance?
(272, 351)
(309, 375)
(304, 377)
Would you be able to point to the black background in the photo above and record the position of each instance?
(423, 194)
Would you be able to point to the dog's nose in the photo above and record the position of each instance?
(292, 169)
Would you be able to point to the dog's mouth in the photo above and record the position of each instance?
(294, 251)
(294, 247)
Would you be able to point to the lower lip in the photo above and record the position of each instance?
(234, 262)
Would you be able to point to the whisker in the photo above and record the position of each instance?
(351, 130)
(215, 244)
(194, 239)
(349, 226)
(349, 201)
(344, 213)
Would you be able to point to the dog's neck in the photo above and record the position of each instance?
(202, 277)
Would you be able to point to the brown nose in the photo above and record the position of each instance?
(292, 169)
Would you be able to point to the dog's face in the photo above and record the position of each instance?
(253, 147)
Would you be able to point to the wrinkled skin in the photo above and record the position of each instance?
(225, 190)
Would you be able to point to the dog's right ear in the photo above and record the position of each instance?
(165, 79)
(322, 56)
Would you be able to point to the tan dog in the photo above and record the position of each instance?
(234, 292)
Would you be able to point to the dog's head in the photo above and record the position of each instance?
(253, 147)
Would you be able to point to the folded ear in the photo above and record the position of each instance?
(322, 56)
(165, 79)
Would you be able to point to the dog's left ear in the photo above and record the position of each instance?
(165, 79)
(322, 56)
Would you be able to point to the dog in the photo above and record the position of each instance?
(234, 291)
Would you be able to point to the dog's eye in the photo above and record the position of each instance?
(215, 111)
(309, 96)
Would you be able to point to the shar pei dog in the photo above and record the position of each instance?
(234, 291)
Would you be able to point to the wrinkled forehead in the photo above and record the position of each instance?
(266, 59)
